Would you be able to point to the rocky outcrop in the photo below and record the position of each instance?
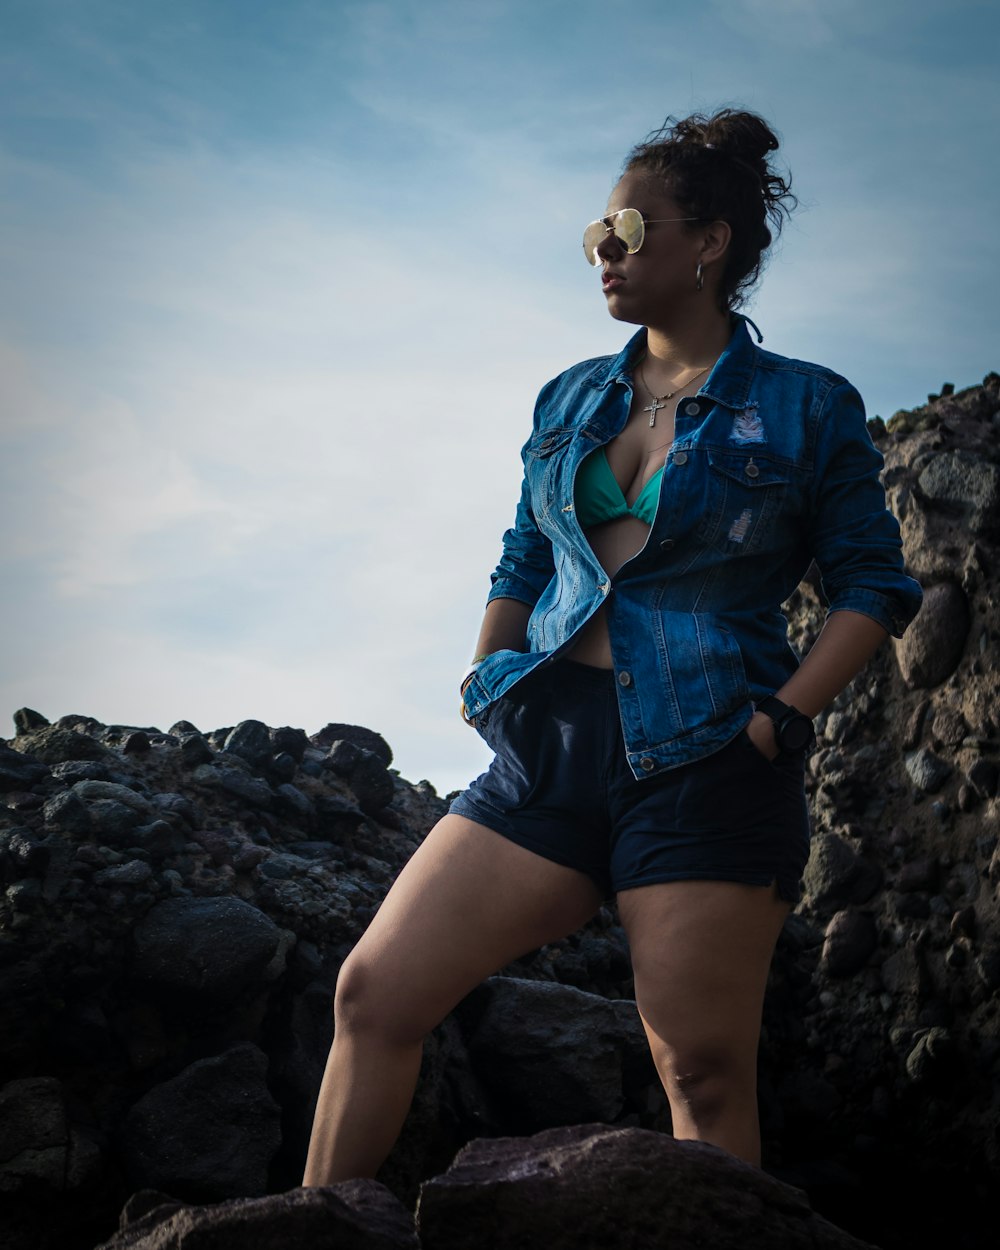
(590, 1187)
(582, 1188)
(175, 906)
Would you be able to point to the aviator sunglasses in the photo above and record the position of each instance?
(627, 225)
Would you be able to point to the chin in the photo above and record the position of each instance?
(616, 311)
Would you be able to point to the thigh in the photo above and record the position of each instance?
(467, 903)
(701, 951)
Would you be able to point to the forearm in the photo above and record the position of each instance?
(505, 627)
(846, 643)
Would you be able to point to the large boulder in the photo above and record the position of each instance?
(589, 1187)
(208, 1133)
(211, 948)
(355, 1215)
(552, 1054)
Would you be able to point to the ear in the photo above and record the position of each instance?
(715, 241)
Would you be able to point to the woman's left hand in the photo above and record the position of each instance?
(760, 731)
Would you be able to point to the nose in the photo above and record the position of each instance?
(609, 247)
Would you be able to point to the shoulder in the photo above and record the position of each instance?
(788, 370)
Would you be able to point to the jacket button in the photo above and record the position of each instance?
(681, 457)
(624, 679)
(646, 764)
(752, 470)
(692, 409)
(667, 544)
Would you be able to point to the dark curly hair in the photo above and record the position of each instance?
(718, 169)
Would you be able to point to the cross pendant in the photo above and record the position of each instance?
(653, 409)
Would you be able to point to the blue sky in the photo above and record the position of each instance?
(279, 283)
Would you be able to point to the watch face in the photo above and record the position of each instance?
(796, 733)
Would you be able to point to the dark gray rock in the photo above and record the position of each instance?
(930, 650)
(67, 812)
(354, 1215)
(341, 757)
(931, 1056)
(134, 873)
(549, 1053)
(19, 771)
(836, 875)
(207, 1134)
(26, 720)
(281, 767)
(590, 1188)
(251, 741)
(966, 482)
(112, 822)
(293, 742)
(253, 790)
(851, 937)
(33, 1134)
(215, 948)
(921, 873)
(93, 791)
(195, 750)
(72, 771)
(983, 777)
(291, 799)
(337, 816)
(357, 735)
(372, 783)
(901, 972)
(56, 744)
(25, 856)
(927, 771)
(948, 727)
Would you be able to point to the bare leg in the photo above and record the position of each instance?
(701, 952)
(468, 902)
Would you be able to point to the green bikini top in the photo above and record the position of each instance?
(598, 497)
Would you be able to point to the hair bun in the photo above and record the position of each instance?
(744, 135)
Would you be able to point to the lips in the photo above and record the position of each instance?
(610, 280)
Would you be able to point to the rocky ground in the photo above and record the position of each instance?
(176, 905)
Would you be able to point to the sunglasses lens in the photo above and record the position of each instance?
(629, 229)
(593, 236)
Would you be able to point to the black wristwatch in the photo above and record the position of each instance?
(793, 730)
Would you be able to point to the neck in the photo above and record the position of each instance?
(688, 344)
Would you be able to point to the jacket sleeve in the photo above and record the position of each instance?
(854, 537)
(526, 566)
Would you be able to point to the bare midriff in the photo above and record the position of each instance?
(613, 543)
(634, 457)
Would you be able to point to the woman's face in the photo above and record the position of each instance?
(659, 279)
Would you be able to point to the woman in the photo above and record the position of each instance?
(633, 675)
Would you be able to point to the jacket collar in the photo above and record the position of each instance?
(729, 382)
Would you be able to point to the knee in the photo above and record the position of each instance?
(365, 1006)
(706, 1080)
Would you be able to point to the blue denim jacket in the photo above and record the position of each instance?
(771, 467)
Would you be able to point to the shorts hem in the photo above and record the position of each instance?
(788, 894)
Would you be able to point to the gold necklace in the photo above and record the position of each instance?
(660, 401)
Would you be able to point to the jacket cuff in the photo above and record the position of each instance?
(514, 588)
(892, 614)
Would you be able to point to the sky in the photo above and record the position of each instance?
(279, 283)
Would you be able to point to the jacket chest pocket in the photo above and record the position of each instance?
(744, 494)
(545, 468)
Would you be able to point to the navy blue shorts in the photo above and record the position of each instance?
(560, 786)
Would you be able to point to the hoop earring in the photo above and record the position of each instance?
(699, 278)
